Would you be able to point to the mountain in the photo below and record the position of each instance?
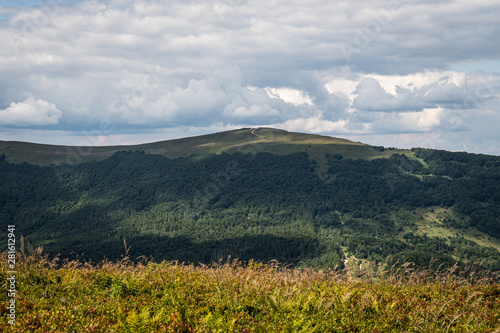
(246, 140)
(255, 194)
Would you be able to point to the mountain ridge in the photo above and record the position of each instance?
(228, 141)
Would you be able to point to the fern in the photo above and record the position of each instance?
(133, 322)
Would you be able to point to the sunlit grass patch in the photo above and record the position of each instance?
(231, 296)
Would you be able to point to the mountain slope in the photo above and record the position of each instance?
(244, 140)
(262, 194)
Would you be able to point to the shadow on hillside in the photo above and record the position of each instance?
(258, 247)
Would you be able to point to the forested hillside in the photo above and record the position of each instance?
(314, 203)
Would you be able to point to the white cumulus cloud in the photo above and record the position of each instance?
(30, 112)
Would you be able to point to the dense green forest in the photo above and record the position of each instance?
(312, 207)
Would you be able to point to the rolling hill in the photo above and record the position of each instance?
(244, 140)
(255, 194)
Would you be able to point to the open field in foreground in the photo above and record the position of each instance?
(229, 297)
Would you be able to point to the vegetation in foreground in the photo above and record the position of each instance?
(122, 296)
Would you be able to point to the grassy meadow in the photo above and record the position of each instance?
(122, 296)
(243, 140)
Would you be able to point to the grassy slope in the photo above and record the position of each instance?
(431, 223)
(242, 140)
(168, 297)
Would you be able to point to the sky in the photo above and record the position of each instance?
(389, 73)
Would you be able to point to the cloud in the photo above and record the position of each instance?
(289, 95)
(315, 125)
(371, 96)
(221, 95)
(30, 112)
